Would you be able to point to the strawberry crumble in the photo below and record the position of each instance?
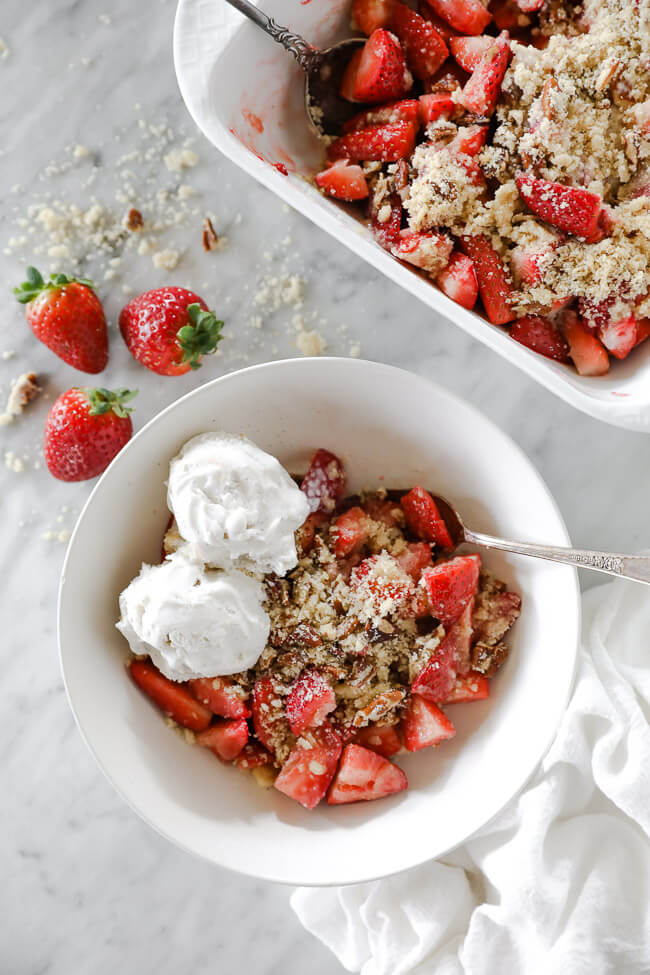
(502, 147)
(373, 631)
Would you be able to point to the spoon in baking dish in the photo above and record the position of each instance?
(636, 567)
(325, 108)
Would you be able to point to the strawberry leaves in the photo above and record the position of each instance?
(201, 337)
(104, 400)
(35, 284)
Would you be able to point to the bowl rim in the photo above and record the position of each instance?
(353, 364)
(615, 411)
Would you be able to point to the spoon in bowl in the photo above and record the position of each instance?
(326, 109)
(635, 567)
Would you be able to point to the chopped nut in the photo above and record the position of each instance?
(306, 635)
(378, 707)
(550, 85)
(134, 220)
(210, 237)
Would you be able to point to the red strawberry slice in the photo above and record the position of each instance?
(642, 330)
(350, 530)
(436, 105)
(268, 713)
(349, 79)
(381, 143)
(507, 15)
(344, 182)
(468, 51)
(470, 140)
(405, 110)
(382, 510)
(381, 738)
(493, 280)
(540, 335)
(481, 92)
(415, 557)
(588, 352)
(428, 251)
(383, 580)
(450, 586)
(225, 738)
(458, 280)
(440, 25)
(569, 208)
(424, 519)
(253, 756)
(460, 638)
(387, 232)
(437, 677)
(424, 724)
(424, 48)
(172, 698)
(619, 338)
(310, 700)
(220, 695)
(369, 15)
(310, 767)
(363, 774)
(382, 73)
(324, 482)
(465, 16)
(471, 687)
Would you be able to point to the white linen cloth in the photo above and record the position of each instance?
(560, 881)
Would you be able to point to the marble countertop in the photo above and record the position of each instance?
(92, 117)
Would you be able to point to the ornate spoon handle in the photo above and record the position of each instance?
(308, 57)
(635, 567)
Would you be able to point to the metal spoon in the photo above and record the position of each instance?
(635, 567)
(325, 108)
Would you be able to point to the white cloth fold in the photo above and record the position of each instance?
(560, 881)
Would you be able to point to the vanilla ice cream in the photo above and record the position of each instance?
(235, 504)
(194, 621)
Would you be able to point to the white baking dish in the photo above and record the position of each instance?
(231, 75)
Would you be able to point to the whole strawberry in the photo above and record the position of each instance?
(84, 430)
(66, 315)
(168, 330)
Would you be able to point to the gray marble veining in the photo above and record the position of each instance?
(87, 886)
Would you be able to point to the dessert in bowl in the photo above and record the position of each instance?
(388, 427)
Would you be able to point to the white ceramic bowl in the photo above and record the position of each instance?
(389, 427)
(246, 94)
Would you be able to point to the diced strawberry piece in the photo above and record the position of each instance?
(309, 701)
(381, 738)
(493, 281)
(435, 106)
(172, 698)
(349, 79)
(310, 767)
(470, 139)
(569, 208)
(344, 182)
(424, 48)
(415, 557)
(465, 16)
(458, 280)
(370, 15)
(382, 510)
(443, 28)
(405, 110)
(508, 16)
(220, 695)
(268, 715)
(471, 687)
(382, 73)
(619, 338)
(528, 263)
(424, 519)
(351, 530)
(225, 738)
(540, 335)
(324, 482)
(387, 232)
(382, 143)
(424, 724)
(588, 353)
(253, 755)
(642, 330)
(468, 51)
(382, 579)
(363, 774)
(429, 251)
(481, 92)
(437, 677)
(450, 586)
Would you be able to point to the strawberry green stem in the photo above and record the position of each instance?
(108, 401)
(35, 284)
(201, 337)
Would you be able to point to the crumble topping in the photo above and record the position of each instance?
(441, 194)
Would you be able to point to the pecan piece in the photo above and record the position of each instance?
(548, 108)
(134, 220)
(209, 236)
(487, 660)
(378, 707)
(306, 635)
